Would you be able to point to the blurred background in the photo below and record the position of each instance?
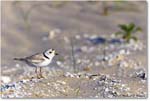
(85, 34)
(31, 27)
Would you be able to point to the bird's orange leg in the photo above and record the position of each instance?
(36, 71)
(41, 73)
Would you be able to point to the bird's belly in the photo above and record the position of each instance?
(44, 63)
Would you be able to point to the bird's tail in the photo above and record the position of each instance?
(19, 59)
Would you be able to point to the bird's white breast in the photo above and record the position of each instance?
(44, 63)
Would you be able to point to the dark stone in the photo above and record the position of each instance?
(97, 40)
(114, 41)
(142, 76)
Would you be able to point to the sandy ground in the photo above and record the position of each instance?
(25, 31)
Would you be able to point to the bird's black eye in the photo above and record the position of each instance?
(50, 52)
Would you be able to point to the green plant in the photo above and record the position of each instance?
(77, 90)
(127, 31)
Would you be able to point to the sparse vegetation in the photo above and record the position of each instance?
(25, 14)
(77, 90)
(105, 8)
(73, 55)
(127, 31)
(58, 3)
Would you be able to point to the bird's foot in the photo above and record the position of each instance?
(38, 77)
(41, 76)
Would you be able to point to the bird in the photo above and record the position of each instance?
(39, 60)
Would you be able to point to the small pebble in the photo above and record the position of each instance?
(17, 65)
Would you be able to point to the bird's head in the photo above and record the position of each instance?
(50, 53)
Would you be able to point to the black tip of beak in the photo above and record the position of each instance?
(56, 54)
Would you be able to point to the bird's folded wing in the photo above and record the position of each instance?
(37, 58)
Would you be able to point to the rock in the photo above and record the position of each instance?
(61, 82)
(122, 51)
(68, 74)
(17, 65)
(141, 75)
(52, 33)
(106, 58)
(44, 38)
(84, 48)
(97, 63)
(115, 41)
(97, 40)
(59, 63)
(123, 64)
(66, 39)
(87, 68)
(5, 79)
(78, 37)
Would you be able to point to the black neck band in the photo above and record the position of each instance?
(45, 56)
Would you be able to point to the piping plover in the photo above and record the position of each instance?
(39, 60)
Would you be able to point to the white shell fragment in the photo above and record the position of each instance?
(5, 79)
